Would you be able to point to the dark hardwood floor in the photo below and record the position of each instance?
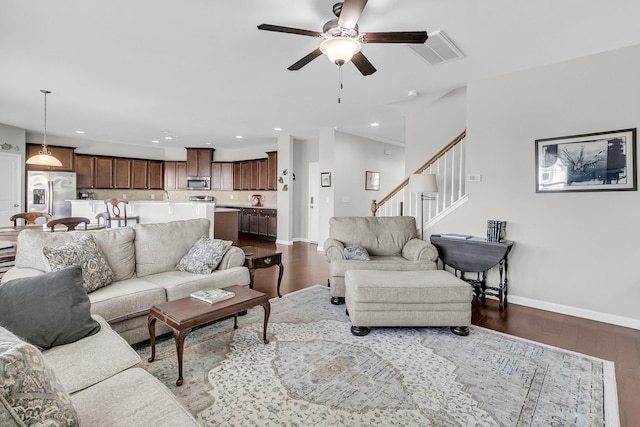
(304, 266)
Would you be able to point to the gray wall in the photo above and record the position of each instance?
(575, 252)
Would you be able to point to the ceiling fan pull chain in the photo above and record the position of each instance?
(339, 83)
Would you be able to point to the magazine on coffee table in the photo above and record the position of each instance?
(212, 295)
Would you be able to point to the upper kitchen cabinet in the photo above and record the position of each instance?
(85, 171)
(272, 170)
(64, 154)
(222, 177)
(155, 178)
(199, 161)
(147, 174)
(237, 176)
(104, 172)
(139, 173)
(121, 173)
(175, 175)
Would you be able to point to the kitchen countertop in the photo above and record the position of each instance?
(247, 206)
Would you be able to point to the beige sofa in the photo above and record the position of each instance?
(143, 259)
(95, 377)
(390, 241)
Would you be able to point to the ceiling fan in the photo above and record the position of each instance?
(343, 39)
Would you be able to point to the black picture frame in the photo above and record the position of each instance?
(325, 179)
(603, 161)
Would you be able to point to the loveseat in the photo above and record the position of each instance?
(92, 382)
(389, 244)
(143, 259)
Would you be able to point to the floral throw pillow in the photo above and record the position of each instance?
(29, 389)
(204, 256)
(84, 252)
(356, 253)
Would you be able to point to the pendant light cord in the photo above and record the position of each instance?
(44, 140)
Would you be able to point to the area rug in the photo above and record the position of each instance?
(314, 372)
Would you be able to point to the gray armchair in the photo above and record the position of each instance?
(390, 241)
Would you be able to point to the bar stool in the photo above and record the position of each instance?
(70, 222)
(117, 210)
(29, 217)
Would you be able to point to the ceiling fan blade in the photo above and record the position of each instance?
(396, 37)
(304, 61)
(362, 64)
(350, 13)
(289, 30)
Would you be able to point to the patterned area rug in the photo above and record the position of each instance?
(314, 372)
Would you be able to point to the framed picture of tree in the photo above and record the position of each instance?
(604, 161)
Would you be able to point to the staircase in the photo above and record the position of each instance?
(448, 166)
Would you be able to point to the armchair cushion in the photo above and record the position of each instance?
(356, 253)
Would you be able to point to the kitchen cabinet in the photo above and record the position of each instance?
(85, 171)
(104, 172)
(225, 225)
(249, 221)
(199, 161)
(258, 222)
(272, 170)
(246, 175)
(237, 176)
(262, 174)
(222, 176)
(64, 154)
(140, 171)
(254, 175)
(155, 178)
(175, 175)
(121, 173)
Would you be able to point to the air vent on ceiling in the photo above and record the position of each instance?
(437, 49)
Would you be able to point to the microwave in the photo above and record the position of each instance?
(198, 183)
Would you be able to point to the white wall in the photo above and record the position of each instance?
(15, 137)
(574, 252)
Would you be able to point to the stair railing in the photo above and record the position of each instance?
(448, 166)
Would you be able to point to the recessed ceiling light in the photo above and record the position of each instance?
(79, 131)
(238, 136)
(375, 124)
(207, 143)
(155, 141)
(277, 129)
(168, 137)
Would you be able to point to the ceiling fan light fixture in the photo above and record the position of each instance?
(44, 157)
(340, 50)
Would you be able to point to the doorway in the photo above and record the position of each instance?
(10, 190)
(314, 186)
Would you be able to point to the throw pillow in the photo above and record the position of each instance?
(356, 253)
(204, 256)
(84, 252)
(30, 392)
(48, 309)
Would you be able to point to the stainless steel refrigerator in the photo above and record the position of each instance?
(49, 192)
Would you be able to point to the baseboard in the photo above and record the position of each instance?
(627, 322)
(284, 242)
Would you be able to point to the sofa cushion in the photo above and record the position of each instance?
(355, 253)
(84, 252)
(204, 256)
(160, 247)
(379, 235)
(92, 359)
(30, 387)
(116, 245)
(131, 398)
(49, 309)
(180, 284)
(126, 299)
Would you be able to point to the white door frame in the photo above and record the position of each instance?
(11, 192)
(314, 206)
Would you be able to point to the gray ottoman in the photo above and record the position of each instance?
(407, 298)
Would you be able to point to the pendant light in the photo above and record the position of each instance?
(44, 157)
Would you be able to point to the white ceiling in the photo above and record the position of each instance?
(127, 70)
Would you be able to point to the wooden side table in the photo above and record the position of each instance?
(262, 258)
(182, 315)
(476, 255)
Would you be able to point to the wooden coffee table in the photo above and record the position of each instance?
(184, 314)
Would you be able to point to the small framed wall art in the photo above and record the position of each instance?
(604, 161)
(372, 181)
(325, 179)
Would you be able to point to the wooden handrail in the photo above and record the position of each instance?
(376, 205)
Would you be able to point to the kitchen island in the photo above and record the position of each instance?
(150, 211)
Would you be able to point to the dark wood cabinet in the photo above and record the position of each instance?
(64, 154)
(225, 226)
(254, 175)
(222, 176)
(246, 175)
(237, 176)
(263, 174)
(104, 172)
(175, 175)
(199, 161)
(260, 223)
(139, 173)
(85, 171)
(121, 173)
(155, 178)
(272, 170)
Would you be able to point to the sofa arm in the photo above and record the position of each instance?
(234, 257)
(333, 249)
(419, 250)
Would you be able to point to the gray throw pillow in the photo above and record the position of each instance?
(48, 309)
(204, 256)
(30, 392)
(84, 252)
(356, 253)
